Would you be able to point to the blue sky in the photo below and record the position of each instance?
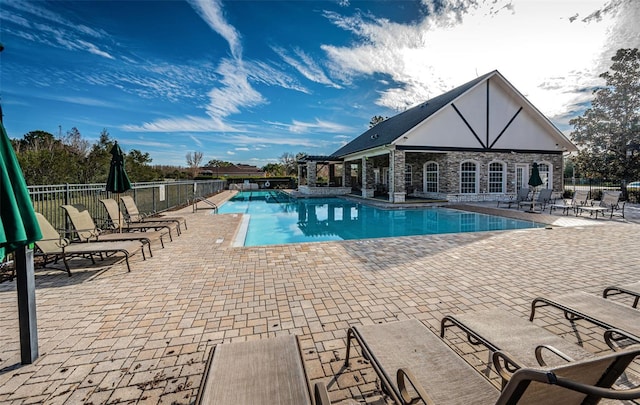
(246, 81)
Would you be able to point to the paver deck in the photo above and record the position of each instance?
(111, 337)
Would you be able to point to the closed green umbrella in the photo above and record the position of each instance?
(118, 181)
(18, 223)
(18, 229)
(535, 180)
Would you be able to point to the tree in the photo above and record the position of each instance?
(193, 162)
(96, 167)
(138, 168)
(290, 162)
(611, 125)
(376, 119)
(219, 163)
(274, 169)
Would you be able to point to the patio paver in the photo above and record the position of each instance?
(108, 336)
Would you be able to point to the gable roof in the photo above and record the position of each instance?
(392, 128)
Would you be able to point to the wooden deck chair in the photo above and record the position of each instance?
(265, 371)
(52, 246)
(620, 321)
(412, 362)
(133, 214)
(116, 221)
(85, 230)
(523, 195)
(530, 345)
(543, 198)
(579, 199)
(632, 289)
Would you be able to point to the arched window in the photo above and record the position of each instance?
(496, 177)
(546, 174)
(431, 177)
(468, 178)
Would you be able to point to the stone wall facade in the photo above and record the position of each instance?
(449, 171)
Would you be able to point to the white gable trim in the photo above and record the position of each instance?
(492, 115)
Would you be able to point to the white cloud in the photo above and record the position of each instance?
(185, 124)
(196, 140)
(30, 21)
(229, 152)
(306, 65)
(211, 12)
(236, 91)
(548, 55)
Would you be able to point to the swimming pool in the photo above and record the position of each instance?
(273, 217)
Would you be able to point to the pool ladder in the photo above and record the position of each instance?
(196, 200)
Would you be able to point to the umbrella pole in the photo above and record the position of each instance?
(119, 214)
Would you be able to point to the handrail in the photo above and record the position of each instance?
(196, 200)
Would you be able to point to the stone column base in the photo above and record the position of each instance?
(367, 192)
(399, 197)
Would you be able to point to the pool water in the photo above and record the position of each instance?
(276, 218)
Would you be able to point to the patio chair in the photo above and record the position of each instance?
(85, 230)
(523, 195)
(133, 215)
(412, 362)
(116, 221)
(265, 371)
(629, 289)
(544, 197)
(52, 246)
(579, 199)
(530, 345)
(620, 322)
(612, 204)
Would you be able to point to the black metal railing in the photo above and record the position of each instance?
(149, 197)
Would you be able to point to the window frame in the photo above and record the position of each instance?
(476, 177)
(427, 181)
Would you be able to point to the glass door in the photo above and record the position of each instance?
(522, 175)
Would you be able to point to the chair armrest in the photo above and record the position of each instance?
(404, 373)
(553, 350)
(62, 242)
(505, 364)
(613, 335)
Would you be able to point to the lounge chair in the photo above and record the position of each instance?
(620, 322)
(85, 230)
(411, 361)
(579, 199)
(133, 215)
(116, 221)
(612, 204)
(544, 197)
(629, 289)
(52, 246)
(523, 195)
(529, 344)
(265, 371)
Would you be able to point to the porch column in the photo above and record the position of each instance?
(332, 174)
(299, 174)
(312, 176)
(396, 177)
(346, 174)
(367, 178)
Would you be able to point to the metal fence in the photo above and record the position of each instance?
(595, 187)
(149, 197)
